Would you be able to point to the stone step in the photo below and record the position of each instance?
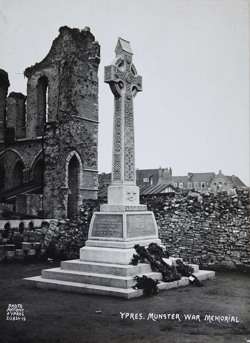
(205, 274)
(106, 268)
(94, 278)
(172, 260)
(115, 269)
(76, 287)
(184, 281)
(129, 293)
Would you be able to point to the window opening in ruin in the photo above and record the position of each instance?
(21, 227)
(31, 226)
(42, 104)
(18, 174)
(7, 226)
(73, 186)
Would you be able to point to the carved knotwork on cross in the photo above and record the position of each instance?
(124, 82)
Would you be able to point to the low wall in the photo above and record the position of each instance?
(207, 229)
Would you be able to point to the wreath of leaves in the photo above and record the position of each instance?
(154, 254)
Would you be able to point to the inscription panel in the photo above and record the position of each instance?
(140, 225)
(108, 225)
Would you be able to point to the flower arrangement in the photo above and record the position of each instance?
(155, 255)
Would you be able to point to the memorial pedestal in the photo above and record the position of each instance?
(113, 235)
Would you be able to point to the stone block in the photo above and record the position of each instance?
(106, 268)
(123, 226)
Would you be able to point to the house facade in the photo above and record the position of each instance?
(155, 181)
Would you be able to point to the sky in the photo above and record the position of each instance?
(193, 56)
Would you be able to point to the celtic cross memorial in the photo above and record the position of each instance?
(123, 221)
(124, 82)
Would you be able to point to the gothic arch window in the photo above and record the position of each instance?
(73, 185)
(42, 104)
(68, 159)
(18, 174)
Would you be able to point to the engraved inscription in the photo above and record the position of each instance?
(140, 225)
(107, 225)
(136, 208)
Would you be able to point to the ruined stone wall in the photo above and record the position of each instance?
(16, 111)
(59, 131)
(70, 129)
(24, 151)
(4, 85)
(211, 230)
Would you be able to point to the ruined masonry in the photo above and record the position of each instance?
(105, 265)
(49, 138)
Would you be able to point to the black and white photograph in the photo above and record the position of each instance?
(124, 171)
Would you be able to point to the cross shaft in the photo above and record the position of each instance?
(124, 82)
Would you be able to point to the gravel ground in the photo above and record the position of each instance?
(55, 316)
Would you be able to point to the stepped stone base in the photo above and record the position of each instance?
(104, 278)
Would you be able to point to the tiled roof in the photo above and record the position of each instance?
(146, 173)
(201, 177)
(155, 189)
(178, 179)
(236, 181)
(103, 192)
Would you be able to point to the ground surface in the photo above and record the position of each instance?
(54, 316)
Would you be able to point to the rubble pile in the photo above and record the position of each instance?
(204, 228)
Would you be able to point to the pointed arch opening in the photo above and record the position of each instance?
(73, 185)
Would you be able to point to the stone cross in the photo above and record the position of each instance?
(124, 82)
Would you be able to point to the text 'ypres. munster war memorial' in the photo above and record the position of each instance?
(49, 171)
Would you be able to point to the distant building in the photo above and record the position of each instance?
(222, 183)
(157, 181)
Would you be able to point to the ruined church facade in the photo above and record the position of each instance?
(49, 138)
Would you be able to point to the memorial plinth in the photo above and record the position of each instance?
(113, 235)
